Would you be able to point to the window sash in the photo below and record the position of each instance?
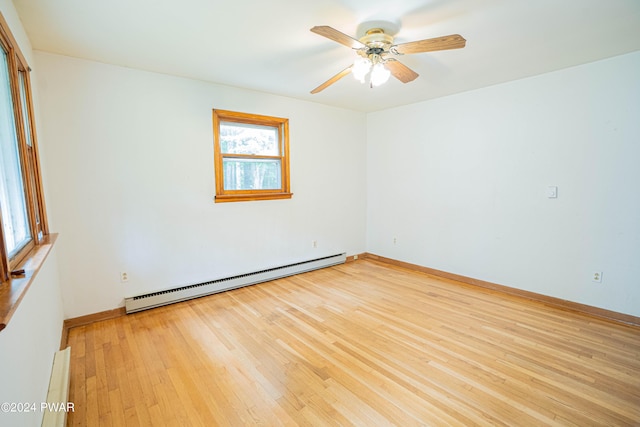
(242, 173)
(34, 189)
(249, 139)
(13, 197)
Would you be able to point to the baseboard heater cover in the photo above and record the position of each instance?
(170, 296)
(57, 404)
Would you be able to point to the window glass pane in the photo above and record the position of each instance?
(251, 174)
(241, 138)
(12, 196)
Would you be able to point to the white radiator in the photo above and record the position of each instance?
(57, 405)
(169, 296)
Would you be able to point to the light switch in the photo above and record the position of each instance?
(552, 192)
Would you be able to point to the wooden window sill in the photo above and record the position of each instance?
(251, 197)
(13, 290)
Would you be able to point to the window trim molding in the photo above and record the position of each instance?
(282, 124)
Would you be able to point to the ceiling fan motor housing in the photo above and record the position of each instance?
(376, 38)
(377, 44)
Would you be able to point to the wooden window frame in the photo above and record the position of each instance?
(17, 271)
(28, 154)
(222, 195)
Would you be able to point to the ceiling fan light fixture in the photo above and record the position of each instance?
(361, 67)
(379, 74)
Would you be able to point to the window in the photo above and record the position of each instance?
(251, 154)
(22, 215)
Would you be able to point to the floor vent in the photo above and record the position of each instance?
(170, 296)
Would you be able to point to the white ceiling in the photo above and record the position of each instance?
(267, 45)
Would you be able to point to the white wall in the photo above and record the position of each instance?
(131, 179)
(461, 183)
(32, 336)
(28, 344)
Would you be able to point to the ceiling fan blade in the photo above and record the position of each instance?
(454, 41)
(337, 36)
(401, 71)
(333, 79)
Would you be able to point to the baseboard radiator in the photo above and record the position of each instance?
(57, 405)
(170, 296)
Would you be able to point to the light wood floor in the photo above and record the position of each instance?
(363, 344)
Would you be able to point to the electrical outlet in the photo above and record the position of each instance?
(355, 257)
(314, 244)
(395, 240)
(124, 276)
(597, 277)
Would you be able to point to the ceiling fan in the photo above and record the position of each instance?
(376, 53)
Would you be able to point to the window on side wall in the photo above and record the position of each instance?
(22, 213)
(251, 155)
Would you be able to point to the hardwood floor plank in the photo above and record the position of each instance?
(364, 343)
